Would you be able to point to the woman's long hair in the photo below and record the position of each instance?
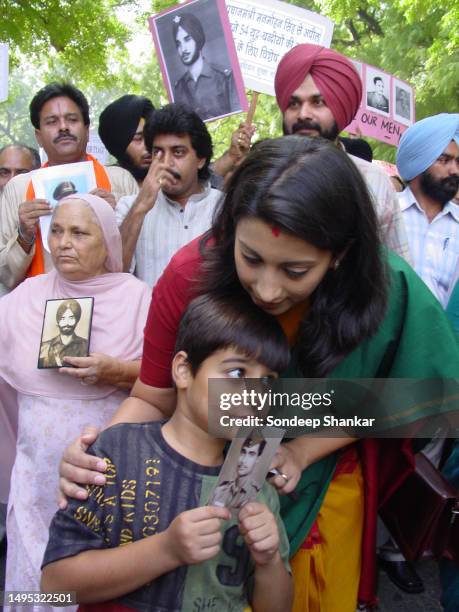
(310, 189)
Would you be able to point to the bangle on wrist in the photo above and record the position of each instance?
(24, 239)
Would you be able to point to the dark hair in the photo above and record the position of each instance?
(358, 147)
(36, 161)
(55, 90)
(249, 442)
(376, 79)
(213, 323)
(180, 119)
(191, 25)
(72, 305)
(309, 188)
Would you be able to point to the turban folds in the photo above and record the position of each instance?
(119, 120)
(191, 25)
(424, 142)
(335, 76)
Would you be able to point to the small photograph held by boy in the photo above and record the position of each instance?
(244, 471)
(182, 554)
(66, 331)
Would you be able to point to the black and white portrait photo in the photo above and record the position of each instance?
(244, 471)
(403, 95)
(66, 331)
(199, 66)
(377, 87)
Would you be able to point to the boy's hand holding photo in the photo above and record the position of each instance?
(258, 527)
(195, 536)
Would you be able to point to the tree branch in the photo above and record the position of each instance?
(352, 29)
(370, 21)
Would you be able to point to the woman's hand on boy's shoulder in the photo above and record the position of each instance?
(195, 535)
(77, 467)
(258, 527)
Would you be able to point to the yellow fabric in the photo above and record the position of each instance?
(326, 576)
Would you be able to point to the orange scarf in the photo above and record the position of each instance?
(290, 321)
(38, 262)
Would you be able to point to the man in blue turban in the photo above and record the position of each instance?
(428, 161)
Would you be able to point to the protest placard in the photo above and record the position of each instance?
(263, 32)
(198, 58)
(54, 183)
(3, 72)
(96, 148)
(387, 106)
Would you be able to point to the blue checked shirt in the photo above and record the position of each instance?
(434, 246)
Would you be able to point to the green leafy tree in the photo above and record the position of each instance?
(85, 41)
(78, 39)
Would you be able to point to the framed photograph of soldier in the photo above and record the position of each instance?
(57, 182)
(403, 105)
(378, 90)
(245, 468)
(198, 58)
(66, 331)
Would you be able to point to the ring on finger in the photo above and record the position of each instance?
(284, 476)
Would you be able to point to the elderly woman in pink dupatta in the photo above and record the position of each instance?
(54, 404)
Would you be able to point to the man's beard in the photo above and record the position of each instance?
(440, 190)
(331, 134)
(138, 172)
(190, 61)
(67, 330)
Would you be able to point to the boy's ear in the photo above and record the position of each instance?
(181, 370)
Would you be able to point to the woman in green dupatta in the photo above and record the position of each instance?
(298, 232)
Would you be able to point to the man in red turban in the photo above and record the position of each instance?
(318, 92)
(325, 78)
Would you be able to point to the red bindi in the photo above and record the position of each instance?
(276, 231)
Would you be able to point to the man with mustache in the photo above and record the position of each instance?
(318, 92)
(121, 126)
(66, 343)
(428, 161)
(176, 201)
(60, 115)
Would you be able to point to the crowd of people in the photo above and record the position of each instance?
(291, 257)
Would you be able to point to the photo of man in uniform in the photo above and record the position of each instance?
(402, 103)
(207, 88)
(64, 189)
(66, 343)
(376, 98)
(234, 494)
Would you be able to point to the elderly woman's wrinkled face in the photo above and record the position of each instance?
(76, 242)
